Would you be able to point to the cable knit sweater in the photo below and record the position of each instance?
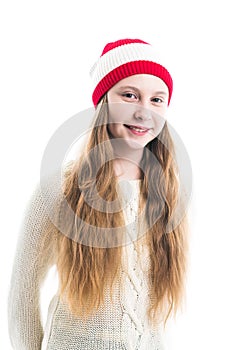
(121, 324)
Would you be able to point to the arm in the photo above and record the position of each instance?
(33, 258)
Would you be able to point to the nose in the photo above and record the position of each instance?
(142, 113)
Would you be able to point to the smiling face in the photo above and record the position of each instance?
(137, 107)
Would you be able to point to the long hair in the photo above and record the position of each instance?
(85, 271)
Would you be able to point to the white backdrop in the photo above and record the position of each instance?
(47, 49)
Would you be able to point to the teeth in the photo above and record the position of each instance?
(136, 129)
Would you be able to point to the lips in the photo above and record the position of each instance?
(136, 127)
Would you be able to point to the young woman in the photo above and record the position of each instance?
(118, 233)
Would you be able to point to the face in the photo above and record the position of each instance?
(137, 107)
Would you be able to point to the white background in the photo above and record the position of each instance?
(47, 50)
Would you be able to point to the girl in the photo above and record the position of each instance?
(118, 232)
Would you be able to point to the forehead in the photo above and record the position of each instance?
(143, 82)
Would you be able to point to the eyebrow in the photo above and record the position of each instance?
(138, 90)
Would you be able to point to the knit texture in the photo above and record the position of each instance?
(123, 58)
(119, 325)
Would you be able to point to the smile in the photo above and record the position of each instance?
(137, 130)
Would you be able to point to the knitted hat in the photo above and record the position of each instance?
(123, 58)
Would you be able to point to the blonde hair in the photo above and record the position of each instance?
(86, 272)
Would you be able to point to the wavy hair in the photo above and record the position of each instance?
(87, 272)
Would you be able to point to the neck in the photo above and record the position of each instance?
(126, 163)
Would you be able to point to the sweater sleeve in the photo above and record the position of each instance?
(33, 258)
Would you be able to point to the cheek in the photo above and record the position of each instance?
(114, 114)
(159, 120)
(114, 129)
(120, 112)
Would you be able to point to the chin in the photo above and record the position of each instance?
(134, 144)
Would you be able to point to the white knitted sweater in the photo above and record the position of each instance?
(119, 325)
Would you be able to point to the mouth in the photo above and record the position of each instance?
(137, 128)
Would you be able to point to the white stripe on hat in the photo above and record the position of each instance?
(120, 55)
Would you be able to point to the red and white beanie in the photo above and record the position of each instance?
(123, 58)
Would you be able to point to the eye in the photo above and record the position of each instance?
(130, 95)
(157, 100)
